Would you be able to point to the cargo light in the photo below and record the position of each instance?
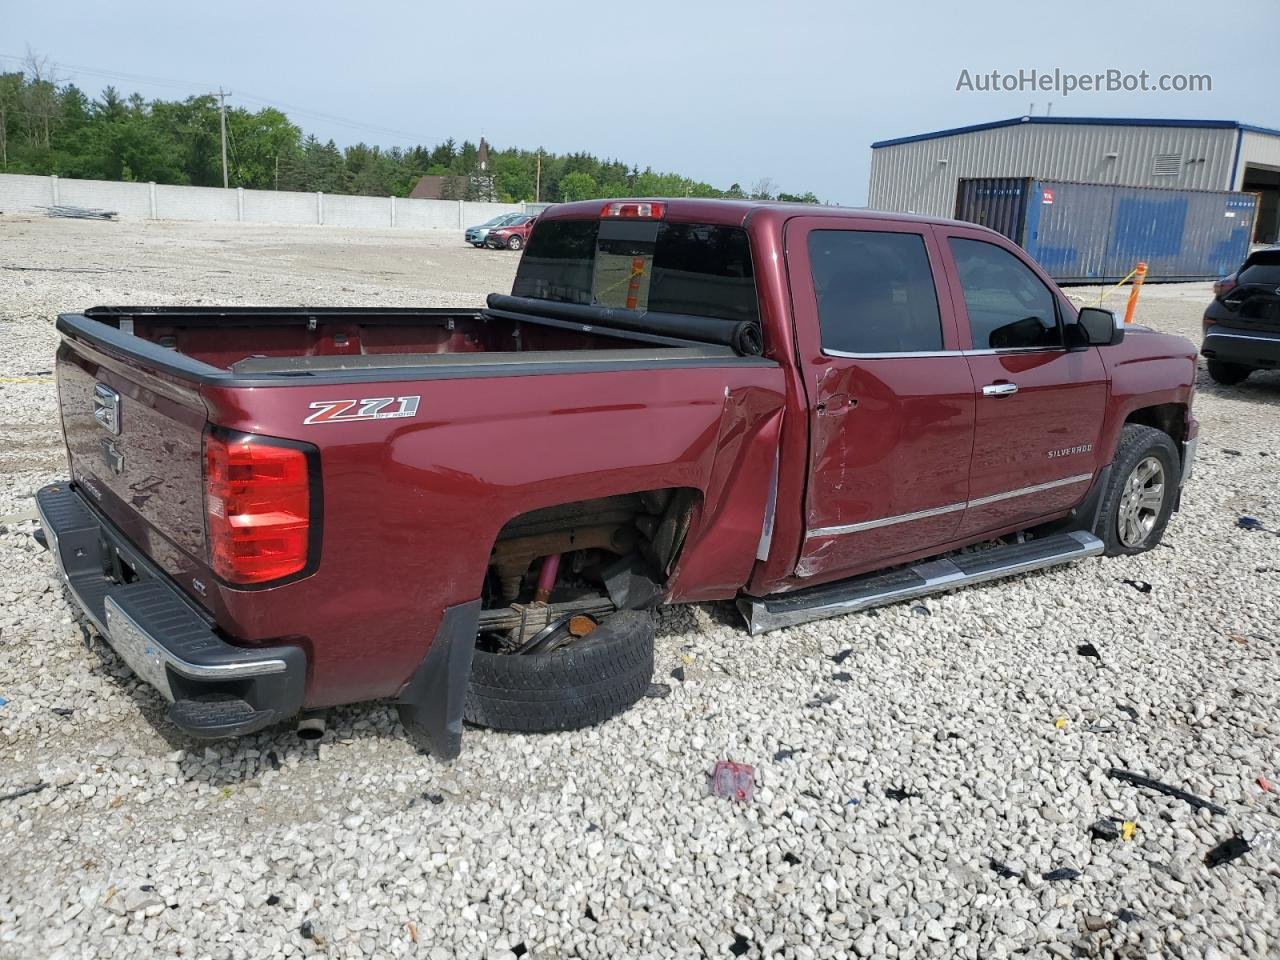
(257, 507)
(635, 210)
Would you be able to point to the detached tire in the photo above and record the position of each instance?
(584, 683)
(1141, 492)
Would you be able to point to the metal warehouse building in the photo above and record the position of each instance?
(920, 174)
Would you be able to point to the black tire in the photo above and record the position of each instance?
(478, 246)
(584, 683)
(515, 243)
(1138, 445)
(1227, 374)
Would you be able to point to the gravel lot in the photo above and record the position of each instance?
(603, 843)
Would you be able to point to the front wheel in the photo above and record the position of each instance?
(1141, 492)
(515, 243)
(1227, 374)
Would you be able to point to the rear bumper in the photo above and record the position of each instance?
(1259, 349)
(215, 689)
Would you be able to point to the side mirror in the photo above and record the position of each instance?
(1099, 327)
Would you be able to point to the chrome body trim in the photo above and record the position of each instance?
(948, 508)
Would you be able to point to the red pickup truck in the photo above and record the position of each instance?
(808, 410)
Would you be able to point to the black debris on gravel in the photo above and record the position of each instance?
(1140, 585)
(1140, 780)
(22, 792)
(64, 711)
(658, 690)
(1230, 849)
(272, 900)
(787, 753)
(1128, 711)
(678, 674)
(740, 945)
(1089, 650)
(842, 677)
(307, 930)
(1004, 870)
(435, 799)
(1128, 916)
(791, 858)
(1062, 873)
(842, 656)
(822, 701)
(1104, 830)
(897, 793)
(920, 610)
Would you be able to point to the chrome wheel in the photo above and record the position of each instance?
(1141, 501)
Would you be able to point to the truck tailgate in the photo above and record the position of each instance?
(134, 443)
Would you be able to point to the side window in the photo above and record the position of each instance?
(875, 292)
(1009, 307)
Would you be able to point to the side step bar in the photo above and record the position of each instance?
(933, 576)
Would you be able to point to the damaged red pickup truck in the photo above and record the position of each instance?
(809, 410)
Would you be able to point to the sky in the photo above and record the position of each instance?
(721, 92)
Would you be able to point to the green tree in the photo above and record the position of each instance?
(578, 186)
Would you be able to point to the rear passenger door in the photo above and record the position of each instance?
(891, 398)
(1040, 406)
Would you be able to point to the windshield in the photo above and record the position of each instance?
(695, 269)
(495, 221)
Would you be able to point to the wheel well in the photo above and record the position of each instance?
(1169, 417)
(649, 525)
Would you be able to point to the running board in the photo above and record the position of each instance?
(933, 576)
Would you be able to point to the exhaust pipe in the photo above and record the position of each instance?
(311, 726)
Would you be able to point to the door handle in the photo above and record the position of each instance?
(999, 389)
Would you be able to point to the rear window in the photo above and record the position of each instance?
(696, 269)
(1265, 268)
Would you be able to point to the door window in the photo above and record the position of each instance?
(875, 292)
(1009, 307)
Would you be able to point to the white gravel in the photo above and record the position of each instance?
(603, 843)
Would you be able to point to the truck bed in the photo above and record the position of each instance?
(238, 345)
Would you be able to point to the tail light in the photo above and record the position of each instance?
(1224, 285)
(258, 502)
(635, 209)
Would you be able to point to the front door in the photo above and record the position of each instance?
(1040, 405)
(891, 397)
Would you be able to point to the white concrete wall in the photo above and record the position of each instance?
(150, 201)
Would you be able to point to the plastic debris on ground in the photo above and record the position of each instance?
(1062, 873)
(1088, 650)
(842, 677)
(1060, 723)
(1004, 870)
(1127, 830)
(897, 793)
(1265, 784)
(1104, 830)
(658, 690)
(1140, 585)
(787, 753)
(1140, 780)
(1228, 850)
(920, 610)
(22, 792)
(733, 781)
(842, 656)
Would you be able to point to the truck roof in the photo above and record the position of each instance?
(733, 212)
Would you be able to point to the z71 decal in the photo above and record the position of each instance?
(376, 408)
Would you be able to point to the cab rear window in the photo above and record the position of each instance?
(696, 269)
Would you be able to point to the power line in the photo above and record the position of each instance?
(196, 90)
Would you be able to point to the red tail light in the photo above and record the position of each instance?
(1224, 285)
(635, 209)
(257, 507)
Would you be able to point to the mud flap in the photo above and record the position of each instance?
(432, 701)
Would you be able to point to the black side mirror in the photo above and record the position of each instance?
(1099, 327)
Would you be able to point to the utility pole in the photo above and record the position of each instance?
(222, 114)
(537, 183)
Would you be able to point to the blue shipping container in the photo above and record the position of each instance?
(1097, 233)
